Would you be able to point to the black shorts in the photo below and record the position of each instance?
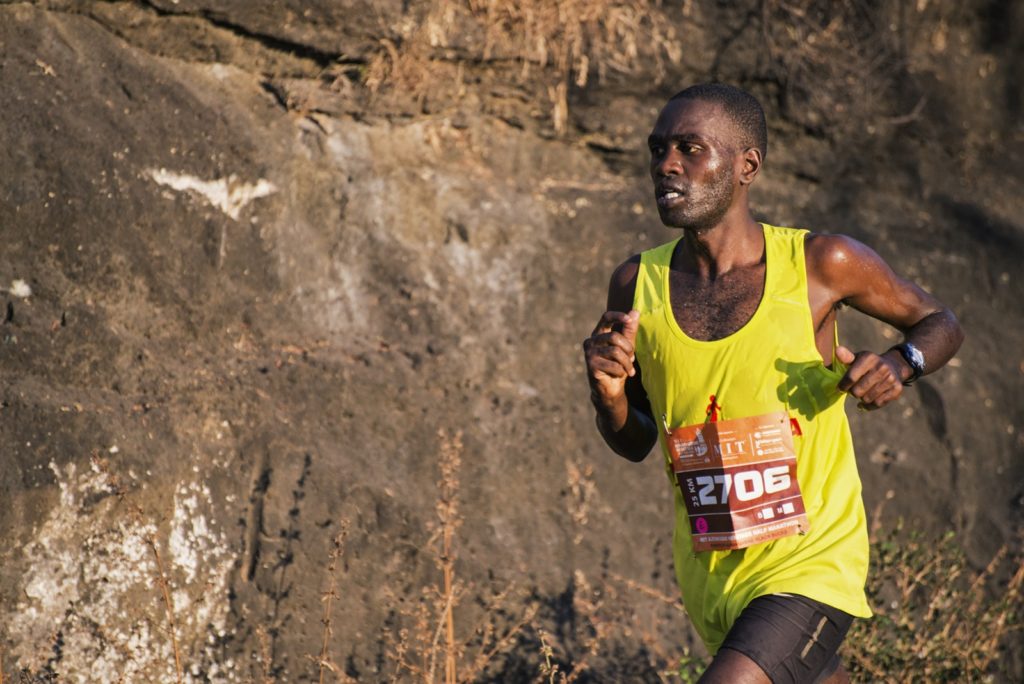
(792, 638)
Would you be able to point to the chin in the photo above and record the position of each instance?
(682, 222)
(697, 222)
(674, 219)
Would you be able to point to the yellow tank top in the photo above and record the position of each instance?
(770, 364)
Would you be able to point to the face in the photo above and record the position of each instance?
(693, 161)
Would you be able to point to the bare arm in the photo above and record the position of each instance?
(623, 411)
(840, 269)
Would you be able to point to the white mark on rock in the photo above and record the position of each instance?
(19, 288)
(227, 194)
(91, 563)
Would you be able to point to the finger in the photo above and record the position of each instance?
(616, 354)
(599, 365)
(614, 339)
(872, 383)
(883, 381)
(631, 325)
(854, 373)
(889, 396)
(862, 365)
(609, 319)
(883, 388)
(619, 351)
(845, 356)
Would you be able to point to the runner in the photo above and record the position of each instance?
(723, 343)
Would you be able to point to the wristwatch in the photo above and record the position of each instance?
(914, 358)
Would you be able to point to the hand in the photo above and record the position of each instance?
(872, 378)
(610, 355)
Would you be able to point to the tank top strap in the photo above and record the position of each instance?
(649, 295)
(786, 276)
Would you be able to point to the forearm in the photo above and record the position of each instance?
(628, 432)
(938, 335)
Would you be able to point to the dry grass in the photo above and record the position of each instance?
(266, 660)
(550, 44)
(936, 619)
(611, 616)
(427, 632)
(328, 596)
(837, 64)
(448, 514)
(617, 624)
(582, 494)
(165, 591)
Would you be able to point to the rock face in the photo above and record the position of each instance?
(278, 261)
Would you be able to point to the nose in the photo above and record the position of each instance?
(669, 163)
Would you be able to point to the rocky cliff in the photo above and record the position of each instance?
(267, 265)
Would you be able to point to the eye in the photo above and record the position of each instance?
(657, 150)
(689, 148)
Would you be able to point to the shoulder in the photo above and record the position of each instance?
(834, 255)
(843, 265)
(626, 272)
(623, 284)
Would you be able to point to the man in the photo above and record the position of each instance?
(724, 343)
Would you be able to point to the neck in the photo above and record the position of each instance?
(735, 241)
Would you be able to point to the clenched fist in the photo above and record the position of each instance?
(874, 379)
(610, 354)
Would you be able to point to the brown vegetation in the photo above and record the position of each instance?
(936, 618)
(554, 44)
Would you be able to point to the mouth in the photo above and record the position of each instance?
(668, 197)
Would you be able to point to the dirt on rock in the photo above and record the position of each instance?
(267, 267)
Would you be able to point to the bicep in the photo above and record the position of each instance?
(623, 285)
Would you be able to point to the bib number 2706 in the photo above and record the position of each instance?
(738, 481)
(747, 485)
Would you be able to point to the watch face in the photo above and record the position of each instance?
(916, 357)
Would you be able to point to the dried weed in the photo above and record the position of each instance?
(935, 618)
(559, 44)
(837, 64)
(582, 494)
(330, 593)
(433, 636)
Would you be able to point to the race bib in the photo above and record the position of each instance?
(738, 479)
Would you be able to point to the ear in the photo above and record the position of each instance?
(751, 165)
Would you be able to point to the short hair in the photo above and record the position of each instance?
(742, 107)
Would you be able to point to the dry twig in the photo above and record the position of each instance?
(330, 593)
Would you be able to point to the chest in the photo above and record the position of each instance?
(711, 310)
